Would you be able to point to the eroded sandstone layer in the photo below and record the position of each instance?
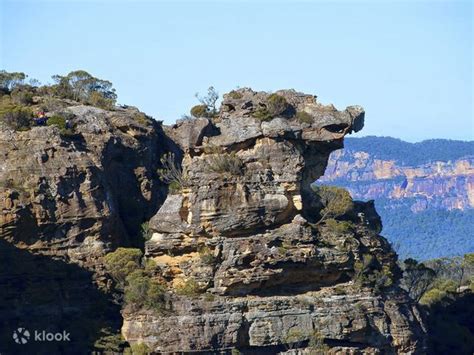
(76, 196)
(242, 229)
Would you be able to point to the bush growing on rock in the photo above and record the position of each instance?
(339, 227)
(60, 121)
(207, 256)
(369, 273)
(143, 292)
(99, 100)
(209, 102)
(141, 118)
(335, 200)
(172, 174)
(235, 95)
(304, 117)
(199, 111)
(294, 338)
(276, 104)
(110, 342)
(225, 163)
(22, 95)
(262, 114)
(316, 344)
(17, 117)
(189, 288)
(121, 263)
(138, 349)
(145, 231)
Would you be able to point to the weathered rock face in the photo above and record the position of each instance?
(66, 200)
(242, 229)
(77, 196)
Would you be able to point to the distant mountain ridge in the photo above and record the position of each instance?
(423, 191)
(409, 154)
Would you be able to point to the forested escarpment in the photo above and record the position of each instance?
(423, 191)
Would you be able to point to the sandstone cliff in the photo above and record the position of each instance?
(67, 198)
(242, 233)
(81, 194)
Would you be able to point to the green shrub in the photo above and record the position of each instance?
(61, 122)
(317, 345)
(276, 104)
(209, 297)
(262, 114)
(235, 95)
(57, 121)
(138, 349)
(145, 231)
(172, 173)
(22, 95)
(97, 99)
(15, 116)
(189, 288)
(207, 256)
(110, 342)
(304, 117)
(335, 200)
(294, 338)
(121, 263)
(143, 292)
(225, 163)
(141, 118)
(432, 296)
(199, 111)
(339, 227)
(18, 118)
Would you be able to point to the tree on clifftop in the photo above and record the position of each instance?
(81, 86)
(8, 81)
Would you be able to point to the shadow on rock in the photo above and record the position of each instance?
(43, 295)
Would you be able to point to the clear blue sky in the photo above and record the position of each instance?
(409, 63)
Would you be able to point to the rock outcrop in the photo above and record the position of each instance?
(241, 233)
(76, 196)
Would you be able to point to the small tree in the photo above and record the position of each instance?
(172, 173)
(417, 278)
(209, 101)
(8, 81)
(81, 86)
(335, 200)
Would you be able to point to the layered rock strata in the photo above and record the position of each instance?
(241, 229)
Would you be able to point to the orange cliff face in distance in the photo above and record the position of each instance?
(443, 184)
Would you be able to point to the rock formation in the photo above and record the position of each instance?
(67, 198)
(241, 230)
(237, 243)
(76, 196)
